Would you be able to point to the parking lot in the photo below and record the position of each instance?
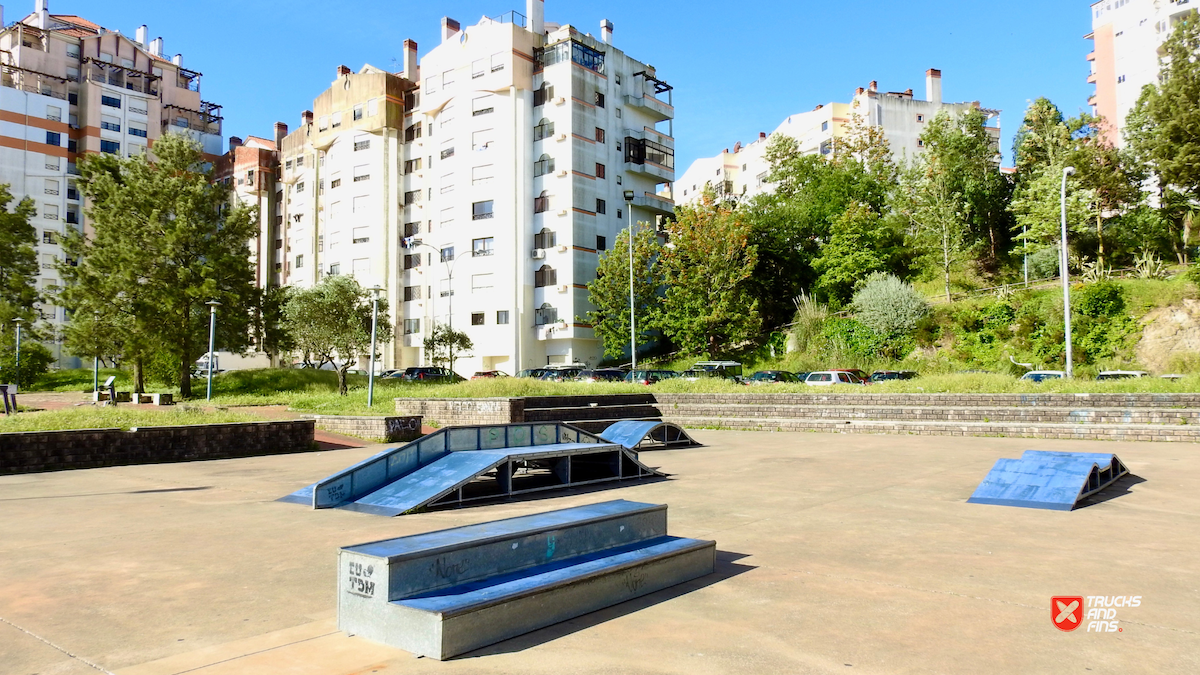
(836, 553)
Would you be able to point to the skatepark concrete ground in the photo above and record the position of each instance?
(836, 553)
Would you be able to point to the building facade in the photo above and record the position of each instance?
(478, 186)
(70, 87)
(1126, 36)
(742, 171)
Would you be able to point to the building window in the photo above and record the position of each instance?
(335, 269)
(447, 153)
(600, 170)
(412, 197)
(358, 113)
(826, 148)
(412, 133)
(599, 135)
(412, 165)
(49, 237)
(53, 138)
(361, 173)
(640, 151)
(412, 229)
(546, 276)
(482, 175)
(542, 94)
(478, 68)
(601, 243)
(111, 147)
(545, 314)
(620, 216)
(920, 118)
(543, 166)
(482, 105)
(825, 125)
(336, 182)
(481, 247)
(447, 254)
(362, 145)
(502, 316)
(412, 293)
(476, 318)
(362, 235)
(920, 143)
(412, 261)
(412, 326)
(110, 101)
(544, 239)
(481, 210)
(544, 129)
(299, 189)
(1120, 78)
(541, 204)
(299, 261)
(50, 211)
(599, 99)
(136, 129)
(601, 206)
(72, 145)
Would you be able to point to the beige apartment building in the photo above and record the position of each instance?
(479, 185)
(69, 87)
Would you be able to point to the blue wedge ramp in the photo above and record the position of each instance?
(1048, 480)
(639, 434)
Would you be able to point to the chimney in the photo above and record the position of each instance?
(535, 10)
(42, 9)
(606, 30)
(819, 106)
(141, 36)
(281, 130)
(177, 59)
(235, 142)
(908, 91)
(762, 135)
(156, 47)
(933, 86)
(449, 28)
(873, 86)
(410, 61)
(343, 70)
(858, 92)
(306, 117)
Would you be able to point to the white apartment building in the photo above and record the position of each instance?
(742, 171)
(1126, 35)
(70, 87)
(479, 188)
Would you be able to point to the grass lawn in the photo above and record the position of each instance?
(121, 417)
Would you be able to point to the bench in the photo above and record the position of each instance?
(101, 396)
(151, 399)
(448, 592)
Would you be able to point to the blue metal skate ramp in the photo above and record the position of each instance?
(644, 435)
(1048, 480)
(462, 464)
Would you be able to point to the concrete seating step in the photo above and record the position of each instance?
(964, 413)
(447, 592)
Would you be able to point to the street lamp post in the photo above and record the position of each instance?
(632, 322)
(1062, 262)
(212, 339)
(18, 321)
(375, 290)
(96, 357)
(449, 293)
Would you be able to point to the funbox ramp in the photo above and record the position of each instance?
(461, 464)
(646, 434)
(1048, 480)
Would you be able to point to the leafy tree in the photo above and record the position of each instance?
(332, 321)
(35, 359)
(851, 255)
(609, 292)
(707, 266)
(889, 306)
(18, 258)
(164, 242)
(270, 333)
(1111, 180)
(95, 335)
(937, 213)
(444, 345)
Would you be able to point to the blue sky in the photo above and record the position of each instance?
(737, 67)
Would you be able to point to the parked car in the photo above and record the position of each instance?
(772, 376)
(1121, 374)
(828, 378)
(431, 375)
(650, 376)
(389, 373)
(602, 375)
(885, 375)
(860, 374)
(534, 373)
(485, 374)
(563, 373)
(729, 370)
(1042, 375)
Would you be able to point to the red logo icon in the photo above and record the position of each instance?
(1066, 612)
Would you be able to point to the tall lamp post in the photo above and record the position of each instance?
(212, 339)
(95, 358)
(375, 291)
(632, 322)
(1062, 262)
(449, 292)
(18, 321)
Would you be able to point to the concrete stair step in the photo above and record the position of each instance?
(1038, 415)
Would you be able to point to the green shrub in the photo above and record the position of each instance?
(809, 323)
(851, 340)
(35, 361)
(889, 306)
(1101, 299)
(1043, 264)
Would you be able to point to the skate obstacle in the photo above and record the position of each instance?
(1048, 480)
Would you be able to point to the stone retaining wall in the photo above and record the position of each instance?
(1184, 400)
(383, 429)
(34, 451)
(466, 411)
(1024, 414)
(450, 412)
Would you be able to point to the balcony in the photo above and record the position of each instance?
(650, 158)
(1091, 79)
(655, 204)
(647, 99)
(113, 75)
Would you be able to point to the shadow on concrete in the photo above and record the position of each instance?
(546, 494)
(119, 492)
(1119, 488)
(726, 568)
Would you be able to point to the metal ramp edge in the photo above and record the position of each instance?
(449, 475)
(636, 434)
(370, 474)
(1048, 479)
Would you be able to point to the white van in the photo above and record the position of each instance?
(828, 378)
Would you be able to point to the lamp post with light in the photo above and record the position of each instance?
(18, 321)
(375, 291)
(629, 194)
(1062, 262)
(212, 340)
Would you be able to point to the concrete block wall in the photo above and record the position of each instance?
(449, 412)
(384, 429)
(36, 451)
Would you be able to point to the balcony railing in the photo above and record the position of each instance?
(129, 79)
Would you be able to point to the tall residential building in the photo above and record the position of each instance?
(742, 171)
(70, 87)
(1126, 36)
(250, 169)
(487, 179)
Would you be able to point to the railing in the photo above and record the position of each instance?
(481, 216)
(510, 17)
(54, 118)
(362, 145)
(479, 253)
(52, 191)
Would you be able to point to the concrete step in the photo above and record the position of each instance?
(862, 396)
(561, 414)
(1095, 432)
(948, 413)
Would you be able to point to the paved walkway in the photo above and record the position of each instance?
(835, 554)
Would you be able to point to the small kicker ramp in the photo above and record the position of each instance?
(1048, 480)
(641, 435)
(461, 464)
